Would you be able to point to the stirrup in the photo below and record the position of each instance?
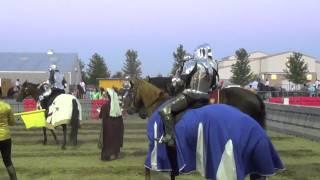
(164, 140)
(159, 140)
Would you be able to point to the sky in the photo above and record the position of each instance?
(155, 28)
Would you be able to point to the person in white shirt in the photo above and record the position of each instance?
(83, 85)
(254, 84)
(18, 84)
(267, 82)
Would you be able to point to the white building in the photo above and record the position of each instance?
(270, 67)
(33, 67)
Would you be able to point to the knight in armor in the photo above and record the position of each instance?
(57, 84)
(199, 75)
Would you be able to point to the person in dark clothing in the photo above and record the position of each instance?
(112, 127)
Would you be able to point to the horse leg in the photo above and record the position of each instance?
(172, 154)
(172, 176)
(74, 122)
(44, 135)
(64, 128)
(54, 136)
(147, 174)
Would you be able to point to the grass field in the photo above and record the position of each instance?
(36, 161)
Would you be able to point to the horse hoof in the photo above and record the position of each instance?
(63, 148)
(44, 143)
(57, 142)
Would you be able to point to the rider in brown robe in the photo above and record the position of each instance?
(112, 131)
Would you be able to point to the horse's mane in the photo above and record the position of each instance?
(150, 94)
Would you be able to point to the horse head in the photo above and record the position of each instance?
(28, 89)
(143, 97)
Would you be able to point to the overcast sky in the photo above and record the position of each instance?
(156, 28)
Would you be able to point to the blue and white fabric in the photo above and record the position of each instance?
(219, 141)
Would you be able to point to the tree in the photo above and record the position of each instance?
(118, 74)
(241, 70)
(132, 64)
(178, 57)
(297, 69)
(82, 71)
(97, 69)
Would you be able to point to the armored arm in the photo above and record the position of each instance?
(174, 106)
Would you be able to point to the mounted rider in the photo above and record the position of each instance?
(199, 75)
(56, 86)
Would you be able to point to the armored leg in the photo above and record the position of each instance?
(168, 113)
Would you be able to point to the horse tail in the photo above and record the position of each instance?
(74, 122)
(262, 115)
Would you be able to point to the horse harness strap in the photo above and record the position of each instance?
(216, 96)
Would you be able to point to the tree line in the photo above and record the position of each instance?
(97, 67)
(296, 68)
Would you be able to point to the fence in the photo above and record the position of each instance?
(296, 120)
(267, 94)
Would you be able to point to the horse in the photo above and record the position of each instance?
(58, 116)
(145, 95)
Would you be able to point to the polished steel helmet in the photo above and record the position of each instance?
(53, 67)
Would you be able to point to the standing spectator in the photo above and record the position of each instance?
(317, 83)
(254, 85)
(102, 93)
(17, 84)
(83, 86)
(267, 83)
(89, 93)
(312, 90)
(6, 119)
(112, 127)
(96, 94)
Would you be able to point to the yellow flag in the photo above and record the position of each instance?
(33, 118)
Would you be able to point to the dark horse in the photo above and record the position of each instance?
(35, 90)
(148, 96)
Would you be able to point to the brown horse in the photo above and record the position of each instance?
(147, 96)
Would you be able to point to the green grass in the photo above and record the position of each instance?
(301, 157)
(36, 161)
